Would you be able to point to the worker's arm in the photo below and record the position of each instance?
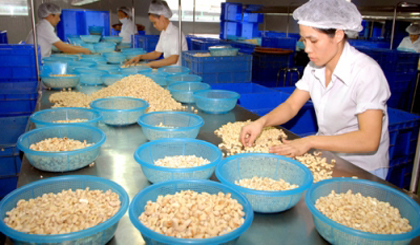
(70, 49)
(149, 56)
(364, 140)
(171, 60)
(280, 115)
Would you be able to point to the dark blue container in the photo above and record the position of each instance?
(3, 37)
(146, 42)
(231, 12)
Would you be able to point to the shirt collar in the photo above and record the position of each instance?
(343, 68)
(169, 29)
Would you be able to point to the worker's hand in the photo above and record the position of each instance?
(250, 132)
(292, 148)
(133, 61)
(86, 51)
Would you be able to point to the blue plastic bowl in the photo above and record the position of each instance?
(223, 51)
(77, 41)
(183, 91)
(54, 68)
(174, 70)
(111, 79)
(95, 30)
(336, 233)
(158, 78)
(46, 118)
(151, 193)
(112, 39)
(90, 38)
(216, 101)
(123, 46)
(100, 234)
(61, 55)
(73, 65)
(150, 152)
(89, 46)
(111, 69)
(144, 70)
(55, 82)
(186, 125)
(115, 58)
(57, 59)
(104, 47)
(248, 165)
(65, 160)
(99, 60)
(90, 76)
(128, 51)
(183, 78)
(120, 111)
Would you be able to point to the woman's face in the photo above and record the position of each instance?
(414, 38)
(158, 23)
(320, 47)
(121, 15)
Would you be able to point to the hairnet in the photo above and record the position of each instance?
(46, 9)
(413, 29)
(126, 10)
(160, 7)
(330, 14)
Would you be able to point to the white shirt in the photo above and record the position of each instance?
(168, 42)
(46, 37)
(407, 44)
(358, 84)
(128, 28)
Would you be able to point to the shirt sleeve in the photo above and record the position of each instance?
(303, 83)
(49, 35)
(159, 46)
(372, 89)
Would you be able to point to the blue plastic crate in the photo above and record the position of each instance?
(239, 63)
(368, 44)
(401, 81)
(400, 171)
(242, 88)
(146, 42)
(7, 185)
(231, 12)
(12, 128)
(17, 62)
(253, 17)
(226, 77)
(77, 22)
(280, 42)
(229, 29)
(204, 43)
(249, 30)
(266, 66)
(403, 133)
(3, 37)
(288, 89)
(18, 98)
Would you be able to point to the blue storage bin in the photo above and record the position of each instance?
(242, 88)
(3, 37)
(17, 62)
(266, 66)
(401, 81)
(400, 171)
(229, 29)
(288, 90)
(253, 18)
(231, 11)
(280, 42)
(249, 30)
(7, 185)
(10, 161)
(146, 42)
(18, 98)
(204, 43)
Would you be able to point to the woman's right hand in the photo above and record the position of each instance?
(250, 132)
(134, 60)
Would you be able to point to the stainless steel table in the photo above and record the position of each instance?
(116, 162)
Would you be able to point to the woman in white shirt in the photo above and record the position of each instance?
(348, 89)
(159, 15)
(412, 42)
(128, 27)
(49, 14)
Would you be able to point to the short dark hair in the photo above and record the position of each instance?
(154, 15)
(331, 32)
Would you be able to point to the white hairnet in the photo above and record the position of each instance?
(46, 9)
(160, 7)
(413, 29)
(126, 10)
(330, 14)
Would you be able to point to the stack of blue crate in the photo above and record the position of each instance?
(18, 98)
(3, 37)
(234, 22)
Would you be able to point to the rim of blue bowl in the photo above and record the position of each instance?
(140, 121)
(60, 78)
(173, 80)
(249, 214)
(113, 76)
(34, 119)
(181, 70)
(198, 95)
(49, 153)
(144, 107)
(206, 86)
(367, 235)
(73, 235)
(307, 183)
(180, 141)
